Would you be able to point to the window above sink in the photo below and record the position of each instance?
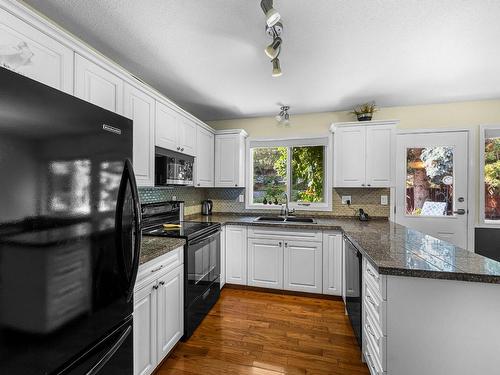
(296, 167)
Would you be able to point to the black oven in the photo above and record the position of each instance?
(202, 278)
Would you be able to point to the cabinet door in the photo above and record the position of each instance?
(265, 263)
(236, 255)
(349, 157)
(379, 155)
(166, 127)
(226, 161)
(332, 264)
(145, 358)
(32, 53)
(187, 136)
(303, 266)
(205, 158)
(223, 257)
(170, 311)
(98, 86)
(140, 107)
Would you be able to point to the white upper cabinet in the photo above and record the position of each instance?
(32, 53)
(140, 107)
(97, 85)
(364, 153)
(230, 158)
(204, 158)
(174, 131)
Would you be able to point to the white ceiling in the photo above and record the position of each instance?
(207, 55)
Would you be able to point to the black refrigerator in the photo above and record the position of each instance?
(69, 233)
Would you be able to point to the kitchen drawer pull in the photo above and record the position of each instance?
(157, 269)
(370, 361)
(370, 299)
(370, 331)
(162, 282)
(280, 243)
(369, 271)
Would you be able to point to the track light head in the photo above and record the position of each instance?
(276, 67)
(272, 15)
(273, 50)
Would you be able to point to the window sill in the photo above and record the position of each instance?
(262, 207)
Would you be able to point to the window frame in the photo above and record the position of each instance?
(482, 199)
(325, 141)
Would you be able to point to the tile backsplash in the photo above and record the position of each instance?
(227, 200)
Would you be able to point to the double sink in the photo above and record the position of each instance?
(283, 219)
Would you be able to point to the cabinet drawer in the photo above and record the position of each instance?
(159, 266)
(372, 277)
(372, 360)
(375, 338)
(376, 307)
(284, 234)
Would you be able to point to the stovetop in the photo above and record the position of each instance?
(187, 229)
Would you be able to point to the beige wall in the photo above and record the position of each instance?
(458, 115)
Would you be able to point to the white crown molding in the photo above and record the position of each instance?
(241, 132)
(336, 125)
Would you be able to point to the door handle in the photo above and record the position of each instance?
(460, 211)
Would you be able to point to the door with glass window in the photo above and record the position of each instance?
(431, 188)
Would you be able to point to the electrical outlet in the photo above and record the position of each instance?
(174, 198)
(241, 198)
(346, 199)
(384, 200)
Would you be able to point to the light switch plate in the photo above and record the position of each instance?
(346, 198)
(384, 200)
(241, 198)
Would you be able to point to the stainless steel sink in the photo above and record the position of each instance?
(282, 219)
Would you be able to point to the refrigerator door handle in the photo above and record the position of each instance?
(109, 354)
(129, 177)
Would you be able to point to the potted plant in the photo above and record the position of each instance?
(364, 112)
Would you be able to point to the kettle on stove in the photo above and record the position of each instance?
(206, 207)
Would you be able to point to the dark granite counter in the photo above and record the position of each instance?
(392, 248)
(153, 247)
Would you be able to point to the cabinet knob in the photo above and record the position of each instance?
(236, 185)
(286, 244)
(369, 185)
(182, 149)
(155, 287)
(178, 148)
(279, 244)
(198, 184)
(362, 184)
(162, 282)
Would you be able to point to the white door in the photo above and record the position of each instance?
(332, 263)
(166, 127)
(140, 107)
(303, 269)
(431, 184)
(226, 160)
(379, 155)
(205, 158)
(98, 86)
(187, 136)
(32, 53)
(170, 310)
(350, 161)
(236, 255)
(145, 330)
(265, 263)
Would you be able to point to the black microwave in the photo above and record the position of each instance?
(173, 168)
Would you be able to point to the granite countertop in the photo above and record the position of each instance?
(392, 248)
(153, 247)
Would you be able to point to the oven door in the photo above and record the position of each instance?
(203, 265)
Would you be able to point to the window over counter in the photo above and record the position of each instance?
(295, 167)
(490, 174)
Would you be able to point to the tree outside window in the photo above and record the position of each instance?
(492, 178)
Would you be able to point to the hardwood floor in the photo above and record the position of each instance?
(250, 332)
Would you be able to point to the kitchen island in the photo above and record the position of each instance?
(429, 307)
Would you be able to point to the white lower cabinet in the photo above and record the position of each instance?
(332, 263)
(303, 269)
(236, 254)
(158, 310)
(223, 257)
(265, 263)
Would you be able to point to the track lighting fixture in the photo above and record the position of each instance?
(283, 117)
(276, 67)
(272, 50)
(272, 15)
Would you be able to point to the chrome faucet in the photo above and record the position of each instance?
(287, 209)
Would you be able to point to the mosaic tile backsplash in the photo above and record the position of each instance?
(226, 200)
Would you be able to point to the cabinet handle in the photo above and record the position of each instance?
(162, 282)
(182, 149)
(371, 363)
(155, 287)
(178, 148)
(362, 184)
(286, 244)
(279, 244)
(157, 269)
(369, 272)
(370, 331)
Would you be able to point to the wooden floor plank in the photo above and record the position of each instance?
(251, 332)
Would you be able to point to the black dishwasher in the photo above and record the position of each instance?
(353, 273)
